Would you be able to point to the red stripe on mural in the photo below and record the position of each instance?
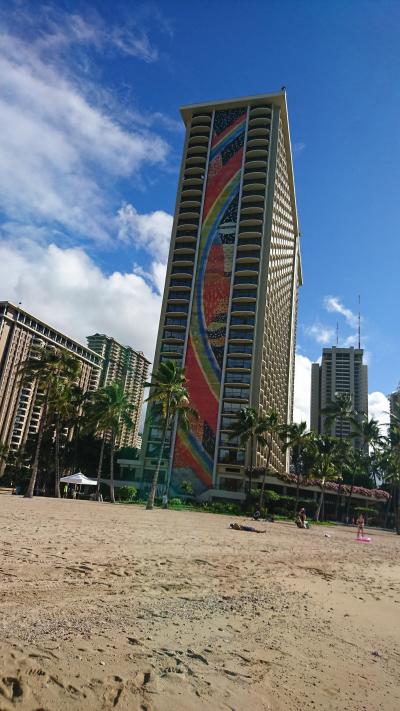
(216, 285)
(216, 183)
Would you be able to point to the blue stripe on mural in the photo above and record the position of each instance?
(220, 147)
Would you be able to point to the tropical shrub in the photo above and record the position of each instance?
(126, 493)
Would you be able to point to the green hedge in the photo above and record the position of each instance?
(125, 493)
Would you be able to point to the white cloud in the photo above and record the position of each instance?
(54, 30)
(65, 288)
(302, 389)
(334, 305)
(151, 231)
(322, 334)
(378, 408)
(59, 148)
(133, 43)
(298, 148)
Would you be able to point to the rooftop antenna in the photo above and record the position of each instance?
(359, 322)
(337, 333)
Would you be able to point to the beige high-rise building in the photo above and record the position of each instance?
(341, 371)
(128, 367)
(19, 331)
(230, 301)
(394, 403)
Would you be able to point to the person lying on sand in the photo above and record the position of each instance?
(240, 527)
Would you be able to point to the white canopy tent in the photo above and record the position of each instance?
(78, 478)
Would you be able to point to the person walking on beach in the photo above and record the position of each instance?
(360, 524)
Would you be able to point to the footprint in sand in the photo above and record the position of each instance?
(11, 688)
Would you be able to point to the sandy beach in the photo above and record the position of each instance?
(107, 607)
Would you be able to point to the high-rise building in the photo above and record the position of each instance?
(19, 331)
(341, 371)
(128, 367)
(230, 301)
(394, 403)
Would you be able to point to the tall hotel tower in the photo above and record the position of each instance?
(230, 300)
(341, 371)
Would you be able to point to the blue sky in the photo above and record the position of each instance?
(90, 142)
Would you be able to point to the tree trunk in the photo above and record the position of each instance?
(76, 441)
(387, 508)
(321, 500)
(398, 511)
(152, 493)
(338, 493)
(338, 500)
(100, 465)
(169, 471)
(349, 499)
(32, 482)
(57, 459)
(296, 505)
(298, 475)
(112, 446)
(251, 465)
(265, 474)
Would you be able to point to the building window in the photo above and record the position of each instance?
(229, 439)
(231, 456)
(237, 377)
(171, 348)
(238, 363)
(241, 393)
(243, 348)
(232, 406)
(244, 306)
(248, 335)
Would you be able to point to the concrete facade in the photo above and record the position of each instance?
(341, 370)
(394, 401)
(230, 302)
(19, 331)
(128, 367)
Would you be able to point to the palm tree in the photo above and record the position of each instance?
(339, 411)
(392, 475)
(109, 410)
(355, 464)
(3, 452)
(63, 400)
(271, 426)
(44, 368)
(168, 392)
(249, 427)
(368, 431)
(297, 438)
(325, 464)
(344, 456)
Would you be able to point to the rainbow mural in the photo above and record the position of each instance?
(194, 451)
